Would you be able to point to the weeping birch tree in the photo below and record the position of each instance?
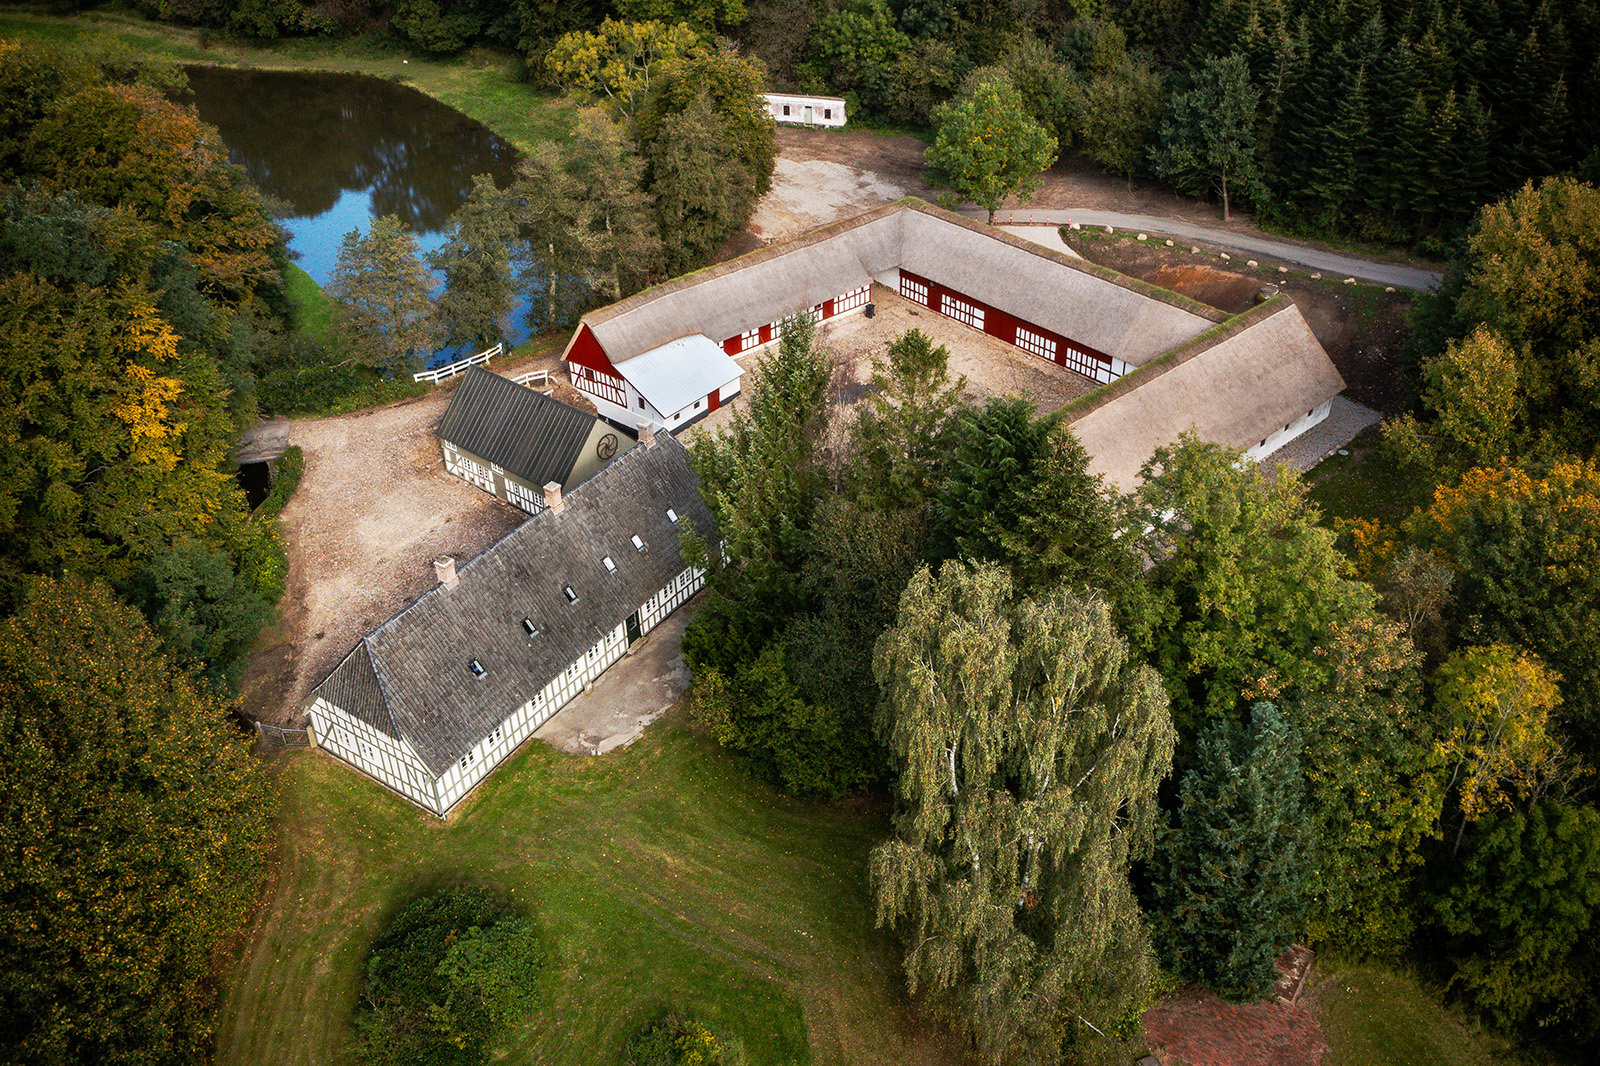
(1028, 748)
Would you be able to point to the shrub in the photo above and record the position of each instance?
(680, 1040)
(453, 971)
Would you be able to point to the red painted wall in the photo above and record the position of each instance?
(998, 323)
(585, 350)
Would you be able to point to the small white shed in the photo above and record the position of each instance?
(806, 110)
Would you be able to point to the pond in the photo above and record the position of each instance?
(340, 149)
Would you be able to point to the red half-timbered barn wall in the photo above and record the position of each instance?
(592, 371)
(751, 338)
(1075, 356)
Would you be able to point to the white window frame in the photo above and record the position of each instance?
(961, 311)
(1029, 341)
(914, 290)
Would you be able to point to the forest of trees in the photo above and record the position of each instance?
(140, 278)
(1372, 751)
(1391, 120)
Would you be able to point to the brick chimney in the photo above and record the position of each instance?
(445, 568)
(647, 433)
(552, 497)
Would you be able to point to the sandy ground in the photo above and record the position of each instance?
(373, 510)
(991, 367)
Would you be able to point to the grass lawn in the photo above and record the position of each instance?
(481, 84)
(1372, 1016)
(661, 876)
(313, 307)
(1365, 484)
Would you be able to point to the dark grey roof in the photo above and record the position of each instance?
(420, 655)
(531, 435)
(353, 687)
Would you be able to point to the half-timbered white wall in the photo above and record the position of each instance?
(492, 477)
(1278, 438)
(390, 760)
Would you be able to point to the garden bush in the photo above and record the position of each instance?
(453, 972)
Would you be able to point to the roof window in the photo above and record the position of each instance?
(572, 597)
(637, 543)
(476, 667)
(611, 566)
(529, 628)
(672, 515)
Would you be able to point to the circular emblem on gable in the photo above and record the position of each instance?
(607, 446)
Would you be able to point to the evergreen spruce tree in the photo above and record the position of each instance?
(1338, 172)
(1230, 890)
(475, 259)
(702, 191)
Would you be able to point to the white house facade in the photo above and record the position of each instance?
(798, 109)
(431, 701)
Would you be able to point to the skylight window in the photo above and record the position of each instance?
(611, 566)
(637, 543)
(476, 667)
(572, 597)
(672, 515)
(529, 628)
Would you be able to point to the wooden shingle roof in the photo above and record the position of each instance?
(532, 435)
(417, 661)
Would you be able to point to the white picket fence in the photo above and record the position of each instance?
(533, 379)
(459, 365)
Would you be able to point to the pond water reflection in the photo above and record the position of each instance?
(341, 149)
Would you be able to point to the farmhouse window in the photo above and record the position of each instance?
(476, 667)
(1029, 341)
(572, 597)
(856, 298)
(827, 112)
(786, 109)
(749, 338)
(914, 290)
(961, 311)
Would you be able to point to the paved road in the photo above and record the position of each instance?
(1344, 266)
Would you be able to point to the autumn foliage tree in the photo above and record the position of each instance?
(988, 147)
(133, 828)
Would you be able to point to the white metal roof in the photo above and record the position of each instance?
(679, 372)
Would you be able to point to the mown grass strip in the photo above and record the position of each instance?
(662, 877)
(1374, 1016)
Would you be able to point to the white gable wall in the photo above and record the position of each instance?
(389, 760)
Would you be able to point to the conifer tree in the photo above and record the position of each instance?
(475, 306)
(385, 295)
(702, 192)
(1208, 137)
(905, 423)
(1234, 865)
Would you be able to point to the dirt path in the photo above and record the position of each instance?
(373, 510)
(824, 175)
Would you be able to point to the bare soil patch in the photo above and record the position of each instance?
(1362, 327)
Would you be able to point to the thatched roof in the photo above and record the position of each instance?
(1120, 316)
(1234, 385)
